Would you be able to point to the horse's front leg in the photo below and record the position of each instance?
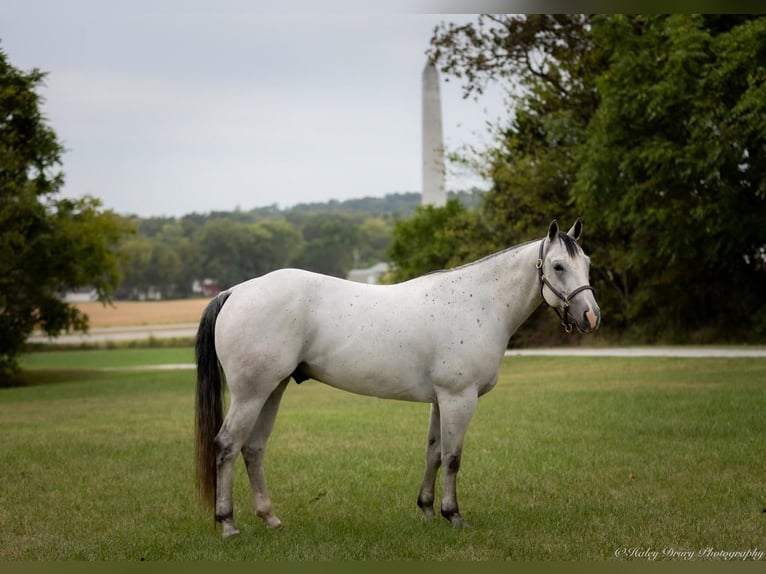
(456, 412)
(433, 462)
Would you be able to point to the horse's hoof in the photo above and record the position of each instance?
(229, 531)
(429, 514)
(458, 522)
(273, 523)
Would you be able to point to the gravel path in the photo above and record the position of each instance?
(136, 333)
(692, 352)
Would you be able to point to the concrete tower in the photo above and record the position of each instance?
(433, 192)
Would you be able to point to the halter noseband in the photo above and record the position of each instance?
(564, 316)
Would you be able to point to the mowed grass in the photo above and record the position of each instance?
(568, 458)
(41, 365)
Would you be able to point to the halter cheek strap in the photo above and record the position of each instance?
(544, 282)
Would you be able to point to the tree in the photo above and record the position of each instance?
(375, 237)
(47, 244)
(675, 160)
(330, 243)
(150, 264)
(437, 238)
(233, 251)
(649, 127)
(177, 238)
(281, 244)
(548, 62)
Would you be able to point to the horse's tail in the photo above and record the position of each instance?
(209, 403)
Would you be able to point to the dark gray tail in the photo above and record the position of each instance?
(209, 404)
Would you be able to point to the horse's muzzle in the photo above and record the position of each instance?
(592, 319)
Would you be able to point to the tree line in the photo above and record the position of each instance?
(166, 260)
(166, 256)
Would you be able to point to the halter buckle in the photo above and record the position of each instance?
(539, 264)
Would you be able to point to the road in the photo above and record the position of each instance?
(107, 334)
(691, 352)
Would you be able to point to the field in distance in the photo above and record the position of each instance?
(130, 313)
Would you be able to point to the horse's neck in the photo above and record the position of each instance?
(509, 279)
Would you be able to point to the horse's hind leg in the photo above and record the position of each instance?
(254, 452)
(235, 430)
(433, 462)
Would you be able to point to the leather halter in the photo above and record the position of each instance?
(544, 282)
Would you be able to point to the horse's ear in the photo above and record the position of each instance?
(553, 230)
(576, 231)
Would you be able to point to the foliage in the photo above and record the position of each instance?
(675, 163)
(232, 252)
(147, 264)
(392, 205)
(547, 60)
(47, 244)
(436, 238)
(329, 245)
(651, 129)
(169, 254)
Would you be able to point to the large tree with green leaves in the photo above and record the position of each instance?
(673, 170)
(649, 127)
(547, 62)
(47, 244)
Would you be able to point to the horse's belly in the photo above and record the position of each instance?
(387, 381)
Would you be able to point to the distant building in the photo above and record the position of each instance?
(206, 287)
(150, 293)
(371, 275)
(80, 295)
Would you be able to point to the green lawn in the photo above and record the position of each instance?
(100, 359)
(566, 459)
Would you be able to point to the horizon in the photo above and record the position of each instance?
(239, 209)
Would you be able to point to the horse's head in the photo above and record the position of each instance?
(564, 272)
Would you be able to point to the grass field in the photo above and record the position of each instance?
(568, 458)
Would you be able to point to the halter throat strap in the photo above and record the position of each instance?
(565, 299)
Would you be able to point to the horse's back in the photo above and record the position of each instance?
(354, 336)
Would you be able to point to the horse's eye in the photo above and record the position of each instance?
(558, 267)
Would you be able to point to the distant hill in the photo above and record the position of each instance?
(392, 204)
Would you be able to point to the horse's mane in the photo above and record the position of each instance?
(569, 242)
(571, 245)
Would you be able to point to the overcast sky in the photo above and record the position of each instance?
(167, 109)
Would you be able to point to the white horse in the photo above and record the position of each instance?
(437, 339)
